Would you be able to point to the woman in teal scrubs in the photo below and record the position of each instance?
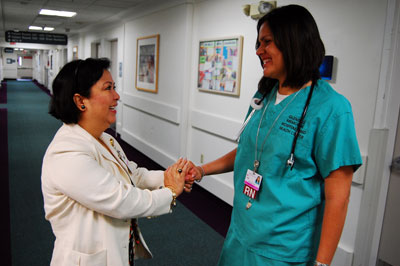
(295, 215)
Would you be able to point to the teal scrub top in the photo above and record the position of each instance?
(285, 219)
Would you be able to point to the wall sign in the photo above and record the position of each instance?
(9, 50)
(36, 37)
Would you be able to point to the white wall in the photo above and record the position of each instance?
(10, 64)
(217, 118)
(36, 66)
(154, 122)
(55, 63)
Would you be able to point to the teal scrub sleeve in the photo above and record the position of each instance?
(337, 145)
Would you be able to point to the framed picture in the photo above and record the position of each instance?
(220, 65)
(147, 63)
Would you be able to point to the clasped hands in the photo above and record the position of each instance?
(181, 175)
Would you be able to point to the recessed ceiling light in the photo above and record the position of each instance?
(58, 13)
(48, 29)
(35, 28)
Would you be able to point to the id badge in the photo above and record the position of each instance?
(252, 184)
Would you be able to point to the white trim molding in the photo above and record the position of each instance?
(164, 111)
(218, 125)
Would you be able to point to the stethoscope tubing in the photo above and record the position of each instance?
(290, 162)
(257, 104)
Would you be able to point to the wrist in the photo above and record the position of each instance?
(174, 196)
(317, 263)
(202, 174)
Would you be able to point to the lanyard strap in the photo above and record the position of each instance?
(258, 156)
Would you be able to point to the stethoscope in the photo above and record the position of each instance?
(257, 104)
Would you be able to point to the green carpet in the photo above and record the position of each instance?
(176, 239)
(29, 132)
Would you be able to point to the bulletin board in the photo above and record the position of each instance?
(220, 65)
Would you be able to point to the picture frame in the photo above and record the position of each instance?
(220, 65)
(147, 54)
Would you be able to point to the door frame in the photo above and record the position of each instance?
(384, 129)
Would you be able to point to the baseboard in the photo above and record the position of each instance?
(218, 187)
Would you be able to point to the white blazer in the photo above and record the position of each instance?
(89, 199)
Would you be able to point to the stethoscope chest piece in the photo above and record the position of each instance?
(290, 161)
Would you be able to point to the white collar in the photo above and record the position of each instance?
(280, 97)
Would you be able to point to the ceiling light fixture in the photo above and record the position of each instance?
(48, 28)
(58, 13)
(35, 28)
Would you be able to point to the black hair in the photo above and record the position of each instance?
(296, 35)
(77, 76)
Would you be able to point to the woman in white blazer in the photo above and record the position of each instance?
(92, 192)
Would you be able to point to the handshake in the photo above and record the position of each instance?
(181, 175)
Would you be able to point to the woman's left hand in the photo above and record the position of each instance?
(190, 176)
(174, 176)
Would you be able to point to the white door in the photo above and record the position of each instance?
(114, 59)
(10, 64)
(95, 50)
(389, 248)
(114, 69)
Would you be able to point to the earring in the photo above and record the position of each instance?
(83, 106)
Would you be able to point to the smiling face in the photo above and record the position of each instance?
(100, 108)
(271, 56)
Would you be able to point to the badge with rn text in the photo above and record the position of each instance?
(252, 184)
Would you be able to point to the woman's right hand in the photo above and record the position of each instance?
(174, 176)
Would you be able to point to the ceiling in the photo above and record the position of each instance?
(20, 14)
